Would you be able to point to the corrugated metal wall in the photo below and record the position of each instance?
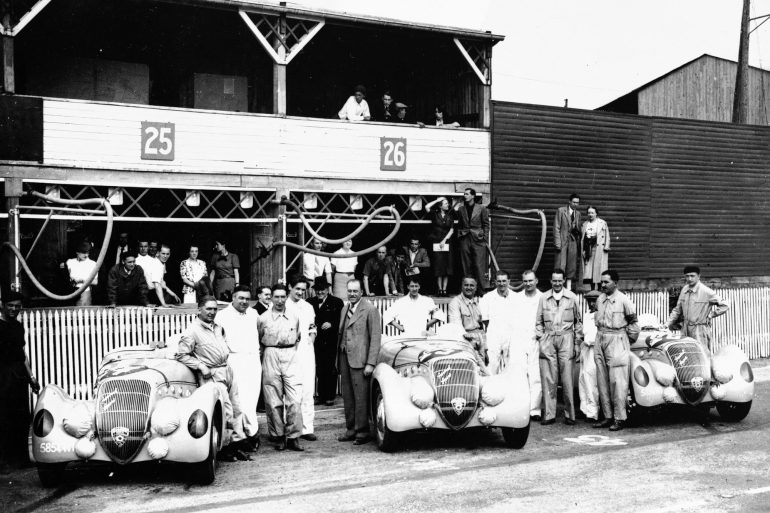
(671, 191)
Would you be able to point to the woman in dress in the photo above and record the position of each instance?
(442, 227)
(344, 269)
(224, 271)
(192, 271)
(595, 236)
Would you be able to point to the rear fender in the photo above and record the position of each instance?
(57, 446)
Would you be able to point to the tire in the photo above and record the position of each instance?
(515, 438)
(733, 412)
(51, 474)
(205, 471)
(387, 440)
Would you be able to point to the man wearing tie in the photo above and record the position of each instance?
(566, 239)
(358, 345)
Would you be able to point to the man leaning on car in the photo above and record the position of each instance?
(203, 348)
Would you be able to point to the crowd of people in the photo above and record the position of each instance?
(356, 108)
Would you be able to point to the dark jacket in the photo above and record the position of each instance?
(477, 227)
(329, 311)
(126, 289)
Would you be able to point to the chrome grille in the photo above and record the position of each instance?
(456, 381)
(122, 409)
(693, 369)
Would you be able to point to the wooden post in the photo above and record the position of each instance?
(9, 80)
(741, 97)
(279, 69)
(13, 191)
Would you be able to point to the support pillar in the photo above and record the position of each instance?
(13, 191)
(9, 79)
(279, 89)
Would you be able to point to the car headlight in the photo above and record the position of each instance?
(670, 394)
(427, 418)
(42, 423)
(79, 421)
(198, 424)
(746, 373)
(157, 448)
(421, 392)
(493, 390)
(165, 416)
(641, 377)
(718, 392)
(85, 448)
(487, 416)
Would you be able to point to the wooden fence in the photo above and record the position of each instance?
(65, 345)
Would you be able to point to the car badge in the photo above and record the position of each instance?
(697, 383)
(458, 404)
(119, 435)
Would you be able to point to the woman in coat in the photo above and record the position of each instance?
(595, 236)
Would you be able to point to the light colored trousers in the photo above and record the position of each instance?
(223, 376)
(526, 355)
(498, 348)
(587, 384)
(306, 355)
(247, 371)
(612, 354)
(557, 356)
(282, 383)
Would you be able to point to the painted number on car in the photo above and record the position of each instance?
(392, 154)
(597, 440)
(49, 447)
(158, 140)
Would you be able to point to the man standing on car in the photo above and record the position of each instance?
(697, 305)
(203, 348)
(358, 344)
(282, 381)
(239, 323)
(616, 325)
(559, 329)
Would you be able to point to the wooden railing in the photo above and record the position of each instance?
(65, 345)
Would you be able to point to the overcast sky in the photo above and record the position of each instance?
(590, 51)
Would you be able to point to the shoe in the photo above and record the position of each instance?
(346, 438)
(547, 422)
(330, 402)
(281, 445)
(293, 445)
(274, 439)
(591, 420)
(317, 402)
(241, 455)
(569, 422)
(603, 424)
(362, 440)
(535, 418)
(310, 437)
(226, 454)
(253, 443)
(617, 425)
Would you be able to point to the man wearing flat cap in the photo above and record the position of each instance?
(697, 305)
(327, 320)
(401, 113)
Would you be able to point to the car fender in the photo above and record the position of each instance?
(182, 446)
(646, 395)
(514, 410)
(738, 389)
(401, 413)
(57, 446)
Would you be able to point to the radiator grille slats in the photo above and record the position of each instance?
(122, 409)
(457, 389)
(693, 369)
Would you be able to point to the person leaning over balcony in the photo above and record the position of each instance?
(559, 329)
(356, 108)
(697, 305)
(15, 377)
(126, 283)
(203, 348)
(165, 295)
(193, 273)
(224, 271)
(617, 326)
(79, 269)
(377, 274)
(439, 120)
(384, 111)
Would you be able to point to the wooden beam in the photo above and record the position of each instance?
(472, 64)
(305, 40)
(9, 76)
(261, 38)
(29, 16)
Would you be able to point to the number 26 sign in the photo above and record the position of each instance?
(158, 140)
(392, 154)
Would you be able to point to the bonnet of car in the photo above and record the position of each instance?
(692, 364)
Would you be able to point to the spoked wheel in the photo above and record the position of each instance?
(515, 438)
(733, 412)
(387, 440)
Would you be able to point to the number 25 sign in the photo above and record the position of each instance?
(392, 154)
(157, 140)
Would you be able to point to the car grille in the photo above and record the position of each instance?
(457, 390)
(122, 409)
(693, 370)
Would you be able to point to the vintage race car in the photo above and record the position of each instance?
(435, 382)
(148, 407)
(668, 369)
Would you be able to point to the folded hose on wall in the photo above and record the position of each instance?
(102, 253)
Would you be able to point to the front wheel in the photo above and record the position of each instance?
(51, 474)
(515, 438)
(733, 412)
(387, 440)
(205, 471)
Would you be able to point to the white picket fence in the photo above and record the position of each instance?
(65, 345)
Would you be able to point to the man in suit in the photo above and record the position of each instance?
(358, 345)
(416, 262)
(566, 239)
(327, 320)
(472, 233)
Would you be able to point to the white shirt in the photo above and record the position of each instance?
(79, 271)
(152, 267)
(314, 266)
(306, 314)
(241, 332)
(344, 265)
(526, 314)
(413, 314)
(499, 310)
(354, 111)
(589, 329)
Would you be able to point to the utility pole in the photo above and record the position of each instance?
(740, 100)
